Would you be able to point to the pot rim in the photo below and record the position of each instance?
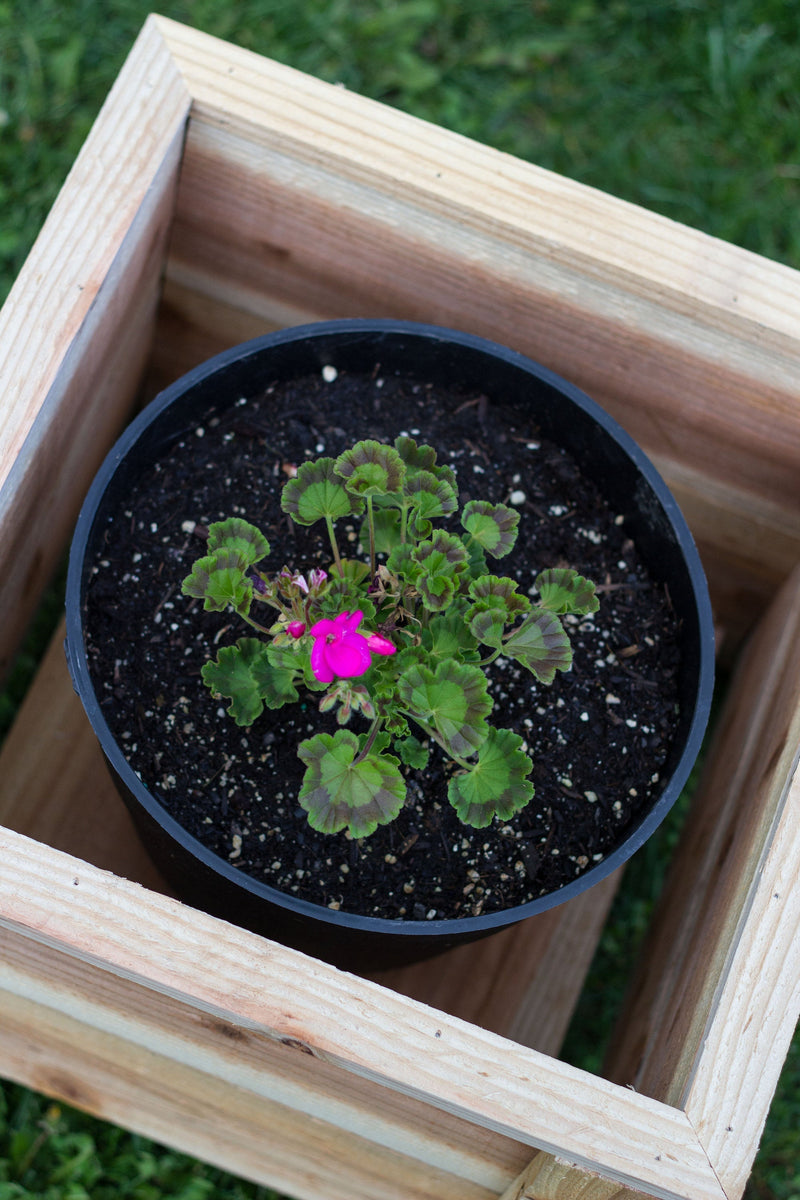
(345, 330)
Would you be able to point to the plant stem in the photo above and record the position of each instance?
(371, 524)
(404, 511)
(334, 546)
(431, 733)
(255, 624)
(369, 743)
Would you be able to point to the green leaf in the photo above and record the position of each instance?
(565, 591)
(412, 752)
(493, 526)
(432, 499)
(476, 558)
(502, 591)
(341, 792)
(497, 785)
(541, 645)
(444, 552)
(416, 458)
(245, 676)
(487, 621)
(411, 656)
(453, 699)
(291, 655)
(219, 580)
(239, 537)
(371, 469)
(436, 591)
(402, 562)
(386, 523)
(317, 493)
(441, 560)
(447, 636)
(346, 592)
(423, 458)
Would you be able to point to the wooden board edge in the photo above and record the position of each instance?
(756, 1011)
(72, 352)
(716, 996)
(271, 209)
(356, 1026)
(522, 982)
(265, 1116)
(569, 219)
(79, 246)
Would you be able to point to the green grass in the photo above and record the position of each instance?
(49, 1152)
(688, 107)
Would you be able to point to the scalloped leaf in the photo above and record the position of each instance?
(487, 622)
(412, 752)
(453, 698)
(436, 591)
(442, 554)
(339, 792)
(371, 469)
(502, 592)
(446, 636)
(287, 653)
(317, 493)
(402, 562)
(410, 656)
(244, 675)
(240, 537)
(441, 560)
(416, 458)
(219, 580)
(497, 785)
(493, 526)
(431, 498)
(476, 558)
(563, 590)
(541, 645)
(346, 592)
(423, 458)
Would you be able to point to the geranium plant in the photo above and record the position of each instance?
(402, 637)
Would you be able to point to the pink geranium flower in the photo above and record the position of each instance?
(340, 652)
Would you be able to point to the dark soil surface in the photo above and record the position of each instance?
(598, 736)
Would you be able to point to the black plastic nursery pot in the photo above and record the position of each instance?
(604, 452)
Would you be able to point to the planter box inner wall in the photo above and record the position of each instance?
(256, 197)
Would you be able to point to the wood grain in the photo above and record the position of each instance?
(717, 996)
(547, 1178)
(75, 331)
(66, 798)
(523, 982)
(136, 948)
(756, 1010)
(54, 784)
(293, 200)
(299, 200)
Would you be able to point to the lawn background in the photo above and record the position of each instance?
(688, 108)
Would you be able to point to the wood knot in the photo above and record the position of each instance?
(297, 1044)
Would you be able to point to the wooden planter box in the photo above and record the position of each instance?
(220, 195)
